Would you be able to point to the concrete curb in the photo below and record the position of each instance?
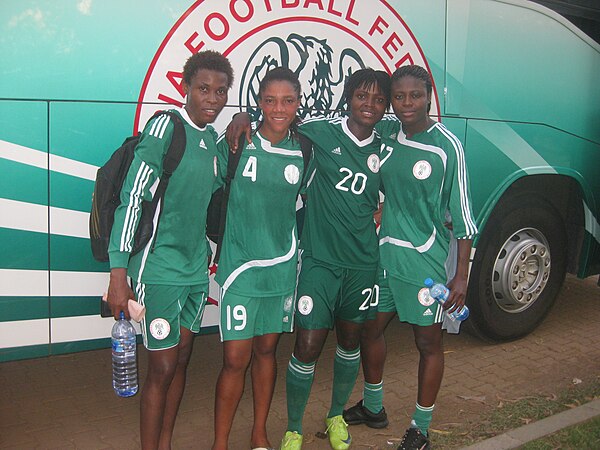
(516, 438)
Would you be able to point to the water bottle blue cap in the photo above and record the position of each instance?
(122, 315)
(428, 282)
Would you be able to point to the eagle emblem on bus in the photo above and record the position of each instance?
(321, 71)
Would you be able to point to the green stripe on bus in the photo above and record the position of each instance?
(23, 249)
(71, 192)
(30, 351)
(73, 254)
(13, 188)
(23, 308)
(74, 306)
(42, 350)
(83, 346)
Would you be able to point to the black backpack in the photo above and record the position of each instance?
(107, 190)
(217, 208)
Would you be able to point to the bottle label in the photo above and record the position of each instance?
(117, 346)
(424, 298)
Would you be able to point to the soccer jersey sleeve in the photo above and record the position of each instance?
(388, 127)
(463, 221)
(309, 172)
(137, 187)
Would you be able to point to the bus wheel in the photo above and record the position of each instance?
(519, 267)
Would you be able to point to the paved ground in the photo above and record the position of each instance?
(66, 402)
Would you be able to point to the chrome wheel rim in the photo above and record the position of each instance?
(521, 270)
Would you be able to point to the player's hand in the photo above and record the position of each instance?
(119, 293)
(239, 125)
(377, 214)
(458, 294)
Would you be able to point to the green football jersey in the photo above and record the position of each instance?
(342, 195)
(259, 249)
(179, 256)
(426, 186)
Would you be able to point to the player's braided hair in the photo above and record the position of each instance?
(282, 74)
(367, 78)
(207, 59)
(417, 72)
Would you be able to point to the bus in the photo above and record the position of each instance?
(515, 80)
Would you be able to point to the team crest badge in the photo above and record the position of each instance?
(373, 163)
(422, 170)
(305, 305)
(424, 298)
(291, 174)
(159, 329)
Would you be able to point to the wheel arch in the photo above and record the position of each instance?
(554, 202)
(564, 192)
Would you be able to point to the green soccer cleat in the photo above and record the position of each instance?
(337, 430)
(291, 441)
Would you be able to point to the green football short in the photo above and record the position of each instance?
(245, 317)
(327, 292)
(167, 309)
(412, 303)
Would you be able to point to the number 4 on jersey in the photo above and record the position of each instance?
(250, 168)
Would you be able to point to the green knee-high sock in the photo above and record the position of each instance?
(298, 384)
(422, 417)
(345, 371)
(373, 397)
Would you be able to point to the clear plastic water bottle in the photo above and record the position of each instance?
(440, 293)
(124, 362)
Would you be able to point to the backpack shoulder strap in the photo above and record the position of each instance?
(176, 147)
(234, 159)
(306, 146)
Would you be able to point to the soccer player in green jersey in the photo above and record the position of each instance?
(340, 255)
(170, 275)
(257, 269)
(425, 180)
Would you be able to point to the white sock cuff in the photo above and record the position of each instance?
(348, 355)
(425, 408)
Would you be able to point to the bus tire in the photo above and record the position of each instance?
(518, 270)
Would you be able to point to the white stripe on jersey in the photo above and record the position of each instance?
(354, 139)
(471, 228)
(343, 121)
(312, 176)
(134, 206)
(331, 119)
(164, 127)
(400, 243)
(200, 313)
(267, 147)
(261, 263)
(148, 245)
(157, 124)
(439, 314)
(140, 293)
(428, 148)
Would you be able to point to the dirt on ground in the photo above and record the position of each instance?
(66, 401)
